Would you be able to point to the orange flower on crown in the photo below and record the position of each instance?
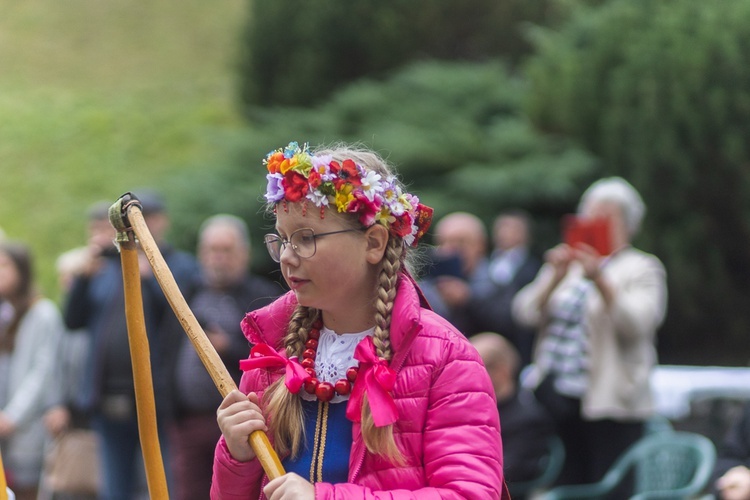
(274, 160)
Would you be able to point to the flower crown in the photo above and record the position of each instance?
(294, 175)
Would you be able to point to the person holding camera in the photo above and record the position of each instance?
(96, 303)
(596, 313)
(458, 272)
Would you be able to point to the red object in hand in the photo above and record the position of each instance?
(593, 232)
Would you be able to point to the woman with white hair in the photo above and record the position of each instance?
(597, 317)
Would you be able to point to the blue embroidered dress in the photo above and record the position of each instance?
(328, 433)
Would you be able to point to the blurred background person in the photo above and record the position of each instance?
(64, 418)
(219, 301)
(65, 410)
(461, 236)
(731, 471)
(512, 266)
(30, 331)
(526, 428)
(96, 303)
(597, 317)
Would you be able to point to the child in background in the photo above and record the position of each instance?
(30, 332)
(365, 392)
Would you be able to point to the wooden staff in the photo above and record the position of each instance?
(3, 484)
(126, 213)
(141, 359)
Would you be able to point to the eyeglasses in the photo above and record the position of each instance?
(302, 242)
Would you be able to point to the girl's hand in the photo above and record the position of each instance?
(289, 487)
(238, 416)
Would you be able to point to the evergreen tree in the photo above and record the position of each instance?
(297, 53)
(660, 91)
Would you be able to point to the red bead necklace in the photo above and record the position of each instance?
(324, 391)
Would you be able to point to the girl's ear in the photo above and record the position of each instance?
(376, 237)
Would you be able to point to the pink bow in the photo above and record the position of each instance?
(376, 379)
(264, 356)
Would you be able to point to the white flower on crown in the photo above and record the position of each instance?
(371, 185)
(317, 197)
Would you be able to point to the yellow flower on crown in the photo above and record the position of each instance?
(344, 197)
(385, 217)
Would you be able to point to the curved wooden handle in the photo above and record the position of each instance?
(206, 351)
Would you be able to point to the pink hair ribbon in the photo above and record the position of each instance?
(264, 356)
(376, 379)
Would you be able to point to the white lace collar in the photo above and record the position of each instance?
(335, 355)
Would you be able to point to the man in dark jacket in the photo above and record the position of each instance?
(96, 303)
(512, 266)
(219, 301)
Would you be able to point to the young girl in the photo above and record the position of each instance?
(30, 332)
(364, 391)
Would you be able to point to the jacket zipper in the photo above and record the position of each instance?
(360, 448)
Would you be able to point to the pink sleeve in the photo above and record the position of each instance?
(233, 479)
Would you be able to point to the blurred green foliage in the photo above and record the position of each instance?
(98, 98)
(297, 53)
(660, 91)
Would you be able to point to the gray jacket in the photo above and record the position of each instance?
(30, 378)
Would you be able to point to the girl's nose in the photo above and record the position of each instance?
(288, 255)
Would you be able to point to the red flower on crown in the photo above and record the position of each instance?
(346, 173)
(295, 186)
(314, 179)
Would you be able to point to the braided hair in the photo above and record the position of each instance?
(284, 409)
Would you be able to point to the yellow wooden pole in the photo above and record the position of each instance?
(131, 211)
(3, 482)
(140, 356)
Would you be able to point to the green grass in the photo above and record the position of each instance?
(98, 98)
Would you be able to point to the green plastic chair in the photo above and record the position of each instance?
(658, 423)
(667, 465)
(551, 465)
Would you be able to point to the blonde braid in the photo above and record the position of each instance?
(284, 409)
(386, 294)
(299, 327)
(379, 440)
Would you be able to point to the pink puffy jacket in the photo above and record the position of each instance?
(448, 427)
